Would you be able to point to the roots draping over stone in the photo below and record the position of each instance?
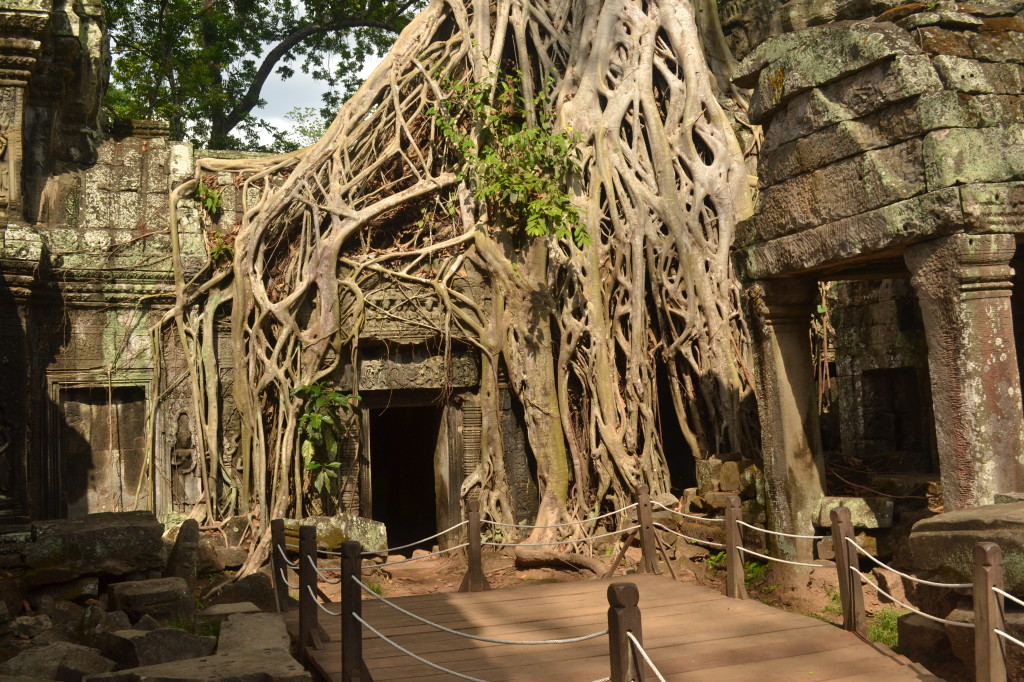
(580, 332)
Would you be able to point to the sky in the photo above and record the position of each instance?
(298, 91)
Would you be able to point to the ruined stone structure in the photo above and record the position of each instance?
(892, 151)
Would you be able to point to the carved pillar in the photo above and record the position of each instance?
(21, 31)
(963, 284)
(787, 402)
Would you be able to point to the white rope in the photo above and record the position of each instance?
(1009, 637)
(1007, 595)
(561, 542)
(458, 633)
(290, 564)
(640, 648)
(284, 579)
(391, 550)
(321, 606)
(417, 558)
(780, 534)
(863, 551)
(878, 589)
(410, 654)
(717, 545)
(329, 581)
(686, 516)
(772, 558)
(561, 525)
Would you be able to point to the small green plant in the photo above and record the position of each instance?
(754, 575)
(716, 561)
(322, 424)
(208, 198)
(514, 159)
(375, 586)
(208, 627)
(834, 606)
(221, 249)
(883, 626)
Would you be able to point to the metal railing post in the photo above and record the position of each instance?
(648, 542)
(989, 661)
(307, 580)
(278, 564)
(851, 591)
(623, 617)
(474, 580)
(735, 585)
(351, 606)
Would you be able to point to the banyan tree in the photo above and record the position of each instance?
(560, 182)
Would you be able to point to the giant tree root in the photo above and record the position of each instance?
(545, 559)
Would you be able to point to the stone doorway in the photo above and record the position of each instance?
(101, 453)
(403, 441)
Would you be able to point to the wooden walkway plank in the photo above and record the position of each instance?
(691, 633)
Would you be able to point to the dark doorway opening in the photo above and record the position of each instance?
(402, 444)
(682, 467)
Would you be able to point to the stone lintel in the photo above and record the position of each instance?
(963, 283)
(859, 238)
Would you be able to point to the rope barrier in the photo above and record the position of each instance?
(319, 605)
(716, 545)
(284, 579)
(391, 550)
(686, 516)
(479, 638)
(290, 564)
(1007, 595)
(410, 654)
(780, 534)
(561, 542)
(329, 581)
(878, 589)
(643, 654)
(1008, 637)
(561, 525)
(781, 561)
(911, 578)
(417, 558)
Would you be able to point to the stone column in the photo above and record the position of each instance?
(963, 284)
(787, 401)
(22, 26)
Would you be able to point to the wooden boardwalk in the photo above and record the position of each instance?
(691, 633)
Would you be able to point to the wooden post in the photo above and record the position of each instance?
(851, 591)
(623, 617)
(279, 564)
(474, 580)
(308, 625)
(735, 585)
(989, 662)
(648, 543)
(351, 606)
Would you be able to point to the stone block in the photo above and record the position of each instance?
(936, 40)
(1009, 498)
(865, 512)
(231, 557)
(134, 648)
(96, 623)
(707, 474)
(920, 637)
(251, 666)
(162, 598)
(207, 558)
(859, 95)
(331, 531)
(944, 543)
(234, 529)
(30, 626)
(961, 639)
(255, 588)
(729, 477)
(243, 632)
(991, 46)
(108, 543)
(181, 163)
(59, 661)
(220, 612)
(182, 562)
(905, 222)
(994, 207)
(854, 186)
(968, 75)
(960, 156)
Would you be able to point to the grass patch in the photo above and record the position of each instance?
(882, 627)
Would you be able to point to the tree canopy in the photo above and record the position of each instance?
(202, 66)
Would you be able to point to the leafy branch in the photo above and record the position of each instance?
(322, 426)
(518, 168)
